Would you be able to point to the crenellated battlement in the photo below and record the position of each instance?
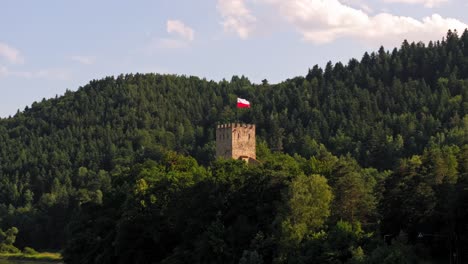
(234, 125)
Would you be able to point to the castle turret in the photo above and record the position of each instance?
(235, 141)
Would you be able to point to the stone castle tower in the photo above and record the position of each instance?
(236, 141)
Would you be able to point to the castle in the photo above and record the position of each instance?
(236, 141)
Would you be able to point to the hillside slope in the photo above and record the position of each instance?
(62, 152)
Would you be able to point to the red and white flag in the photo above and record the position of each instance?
(242, 103)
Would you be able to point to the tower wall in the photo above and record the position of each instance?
(235, 141)
(224, 141)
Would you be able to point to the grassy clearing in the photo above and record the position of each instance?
(43, 256)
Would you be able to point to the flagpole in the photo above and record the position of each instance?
(237, 112)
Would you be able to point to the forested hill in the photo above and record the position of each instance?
(386, 106)
(61, 153)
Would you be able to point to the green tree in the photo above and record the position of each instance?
(7, 239)
(307, 207)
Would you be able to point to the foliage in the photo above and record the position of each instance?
(29, 251)
(307, 207)
(123, 169)
(7, 239)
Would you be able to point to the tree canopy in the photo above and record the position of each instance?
(356, 161)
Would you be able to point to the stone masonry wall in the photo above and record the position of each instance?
(223, 141)
(235, 141)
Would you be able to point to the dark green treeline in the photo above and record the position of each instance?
(404, 113)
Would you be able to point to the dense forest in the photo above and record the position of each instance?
(359, 163)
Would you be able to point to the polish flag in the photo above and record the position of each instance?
(242, 103)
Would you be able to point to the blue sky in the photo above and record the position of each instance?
(49, 46)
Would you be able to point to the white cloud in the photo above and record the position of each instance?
(426, 3)
(49, 74)
(87, 60)
(323, 21)
(178, 27)
(236, 17)
(184, 33)
(11, 54)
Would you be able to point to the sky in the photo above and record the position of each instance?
(50, 46)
